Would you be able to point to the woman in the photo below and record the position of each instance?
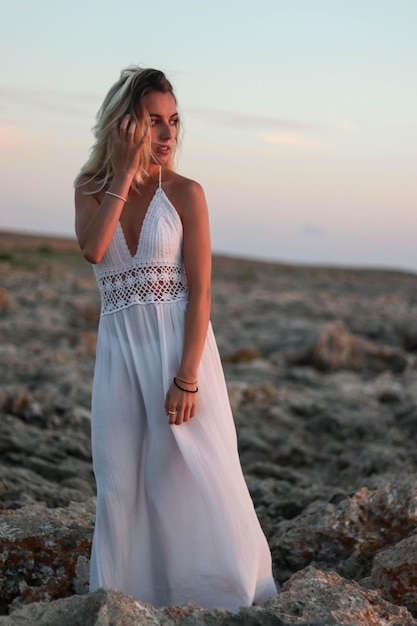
(175, 522)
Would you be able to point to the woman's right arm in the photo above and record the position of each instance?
(95, 221)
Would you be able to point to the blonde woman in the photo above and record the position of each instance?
(175, 522)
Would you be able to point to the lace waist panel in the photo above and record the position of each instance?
(140, 284)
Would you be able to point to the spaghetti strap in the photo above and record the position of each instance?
(160, 178)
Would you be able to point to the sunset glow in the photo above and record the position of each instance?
(299, 117)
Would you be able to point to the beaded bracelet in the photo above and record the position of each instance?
(110, 193)
(182, 388)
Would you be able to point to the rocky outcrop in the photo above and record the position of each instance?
(44, 553)
(347, 533)
(320, 365)
(335, 348)
(394, 573)
(314, 597)
(309, 598)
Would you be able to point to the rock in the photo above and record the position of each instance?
(88, 341)
(7, 301)
(113, 608)
(315, 597)
(347, 534)
(335, 348)
(19, 404)
(43, 449)
(243, 355)
(409, 337)
(394, 573)
(43, 552)
(309, 598)
(263, 394)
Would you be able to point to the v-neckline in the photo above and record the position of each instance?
(142, 226)
(136, 251)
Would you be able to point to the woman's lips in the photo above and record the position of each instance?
(163, 149)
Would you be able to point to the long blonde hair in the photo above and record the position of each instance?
(126, 97)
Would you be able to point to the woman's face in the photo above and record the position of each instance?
(162, 110)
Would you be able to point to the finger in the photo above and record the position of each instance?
(191, 410)
(125, 127)
(187, 413)
(131, 129)
(172, 415)
(124, 122)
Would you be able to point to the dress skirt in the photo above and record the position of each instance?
(175, 521)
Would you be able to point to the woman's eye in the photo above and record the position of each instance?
(173, 122)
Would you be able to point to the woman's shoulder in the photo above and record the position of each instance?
(177, 181)
(183, 192)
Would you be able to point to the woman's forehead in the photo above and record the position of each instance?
(160, 103)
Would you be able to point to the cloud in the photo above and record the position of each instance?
(294, 139)
(80, 103)
(24, 102)
(275, 130)
(248, 120)
(293, 131)
(74, 104)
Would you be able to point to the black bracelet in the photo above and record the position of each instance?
(186, 390)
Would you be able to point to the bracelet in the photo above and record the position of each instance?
(182, 388)
(110, 193)
(187, 382)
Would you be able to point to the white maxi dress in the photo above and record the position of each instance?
(175, 522)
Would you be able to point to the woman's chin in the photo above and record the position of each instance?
(161, 160)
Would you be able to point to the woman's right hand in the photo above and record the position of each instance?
(126, 148)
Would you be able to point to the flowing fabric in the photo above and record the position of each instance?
(175, 522)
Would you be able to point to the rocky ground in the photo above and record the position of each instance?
(321, 369)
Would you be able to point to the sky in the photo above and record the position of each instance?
(300, 117)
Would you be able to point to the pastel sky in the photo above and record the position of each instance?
(300, 116)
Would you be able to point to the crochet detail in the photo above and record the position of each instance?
(141, 284)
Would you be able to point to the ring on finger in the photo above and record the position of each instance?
(172, 412)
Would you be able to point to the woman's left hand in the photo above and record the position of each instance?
(180, 405)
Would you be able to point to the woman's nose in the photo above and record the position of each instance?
(167, 131)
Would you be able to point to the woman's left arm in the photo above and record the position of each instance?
(197, 262)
